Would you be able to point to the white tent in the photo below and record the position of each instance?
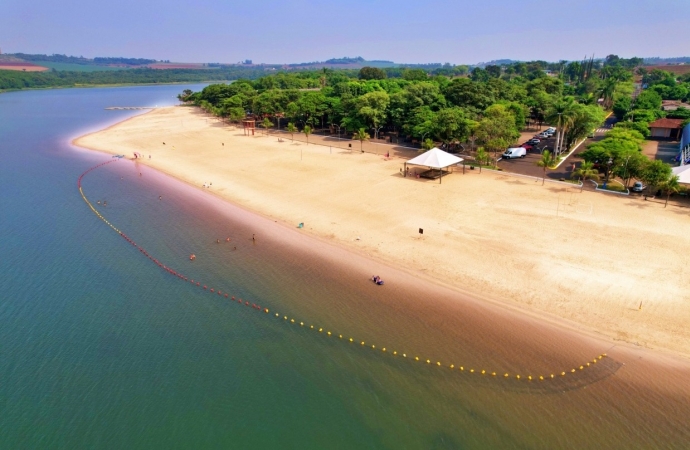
(434, 159)
(683, 173)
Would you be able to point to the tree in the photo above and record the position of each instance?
(292, 129)
(497, 129)
(414, 75)
(361, 135)
(585, 172)
(428, 144)
(481, 157)
(266, 123)
(372, 73)
(372, 107)
(451, 124)
(655, 173)
(670, 186)
(547, 161)
(307, 131)
(561, 113)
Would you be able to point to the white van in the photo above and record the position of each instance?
(516, 152)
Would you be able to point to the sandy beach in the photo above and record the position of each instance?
(583, 260)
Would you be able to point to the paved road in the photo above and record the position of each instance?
(528, 164)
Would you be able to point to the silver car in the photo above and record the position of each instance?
(638, 186)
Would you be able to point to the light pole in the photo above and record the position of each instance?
(423, 135)
(376, 131)
(626, 170)
(337, 126)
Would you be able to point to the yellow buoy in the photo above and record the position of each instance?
(529, 377)
(452, 366)
(329, 333)
(362, 342)
(562, 374)
(340, 336)
(462, 368)
(301, 324)
(471, 370)
(438, 363)
(493, 374)
(395, 353)
(350, 339)
(320, 330)
(311, 326)
(506, 375)
(541, 377)
(483, 372)
(277, 314)
(416, 358)
(404, 355)
(587, 364)
(383, 349)
(517, 376)
(284, 317)
(292, 320)
(428, 362)
(573, 371)
(551, 375)
(373, 346)
(581, 367)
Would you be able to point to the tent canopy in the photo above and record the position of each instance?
(683, 173)
(435, 158)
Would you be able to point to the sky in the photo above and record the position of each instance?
(293, 31)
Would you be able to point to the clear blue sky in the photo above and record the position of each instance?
(289, 31)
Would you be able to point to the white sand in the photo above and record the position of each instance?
(590, 258)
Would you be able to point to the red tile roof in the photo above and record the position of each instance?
(666, 123)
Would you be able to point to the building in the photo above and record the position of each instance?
(684, 151)
(666, 128)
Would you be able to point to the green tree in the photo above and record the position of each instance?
(428, 144)
(482, 157)
(371, 73)
(361, 135)
(497, 129)
(561, 114)
(292, 129)
(584, 172)
(307, 131)
(670, 186)
(655, 173)
(266, 123)
(546, 162)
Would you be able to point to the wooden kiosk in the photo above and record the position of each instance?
(249, 125)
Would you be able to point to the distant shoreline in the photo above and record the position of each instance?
(89, 86)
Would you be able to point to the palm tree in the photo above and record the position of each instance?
(608, 90)
(670, 186)
(585, 172)
(292, 129)
(547, 160)
(561, 113)
(361, 135)
(307, 131)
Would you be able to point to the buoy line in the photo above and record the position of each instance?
(324, 331)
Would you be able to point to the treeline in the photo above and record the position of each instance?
(489, 107)
(12, 80)
(128, 61)
(52, 58)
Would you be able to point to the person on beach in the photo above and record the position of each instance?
(217, 241)
(160, 197)
(253, 238)
(227, 240)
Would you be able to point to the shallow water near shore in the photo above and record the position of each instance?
(99, 347)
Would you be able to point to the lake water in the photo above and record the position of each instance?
(100, 348)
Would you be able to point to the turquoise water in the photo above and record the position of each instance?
(99, 348)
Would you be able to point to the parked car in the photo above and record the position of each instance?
(638, 187)
(551, 130)
(534, 141)
(516, 152)
(543, 135)
(527, 146)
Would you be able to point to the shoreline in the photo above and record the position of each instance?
(478, 296)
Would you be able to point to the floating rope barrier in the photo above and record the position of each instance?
(348, 340)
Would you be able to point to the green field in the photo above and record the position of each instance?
(75, 67)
